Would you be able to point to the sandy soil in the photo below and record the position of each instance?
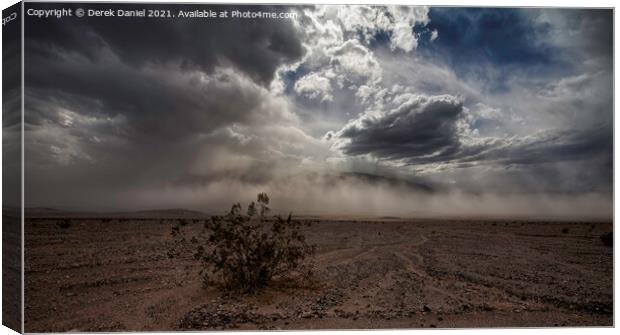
(114, 275)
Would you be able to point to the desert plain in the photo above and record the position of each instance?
(113, 274)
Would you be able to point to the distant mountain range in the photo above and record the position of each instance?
(176, 213)
(329, 180)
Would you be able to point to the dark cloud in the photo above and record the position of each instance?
(11, 77)
(429, 132)
(421, 127)
(585, 34)
(180, 113)
(138, 104)
(160, 103)
(11, 109)
(134, 128)
(158, 78)
(552, 146)
(255, 46)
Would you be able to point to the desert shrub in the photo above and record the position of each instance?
(608, 239)
(565, 230)
(245, 250)
(63, 223)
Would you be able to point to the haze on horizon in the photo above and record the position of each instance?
(368, 110)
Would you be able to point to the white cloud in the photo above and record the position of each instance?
(354, 64)
(395, 20)
(434, 35)
(314, 86)
(338, 56)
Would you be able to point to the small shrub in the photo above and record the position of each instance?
(245, 251)
(608, 239)
(63, 223)
(564, 230)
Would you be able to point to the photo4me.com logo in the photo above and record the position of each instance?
(9, 18)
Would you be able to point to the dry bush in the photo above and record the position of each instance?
(608, 239)
(244, 251)
(63, 223)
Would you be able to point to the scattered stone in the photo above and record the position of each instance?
(487, 308)
(222, 317)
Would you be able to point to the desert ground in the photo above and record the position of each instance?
(113, 274)
(11, 268)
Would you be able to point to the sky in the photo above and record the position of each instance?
(348, 110)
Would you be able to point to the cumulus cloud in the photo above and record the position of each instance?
(347, 109)
(314, 86)
(398, 21)
(338, 39)
(353, 64)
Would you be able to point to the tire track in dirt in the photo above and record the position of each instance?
(408, 263)
(418, 268)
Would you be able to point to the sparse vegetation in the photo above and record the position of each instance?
(608, 239)
(63, 223)
(245, 251)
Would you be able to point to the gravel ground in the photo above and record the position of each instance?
(114, 275)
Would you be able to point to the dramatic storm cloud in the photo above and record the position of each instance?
(341, 109)
(420, 127)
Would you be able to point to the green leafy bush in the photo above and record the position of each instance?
(246, 250)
